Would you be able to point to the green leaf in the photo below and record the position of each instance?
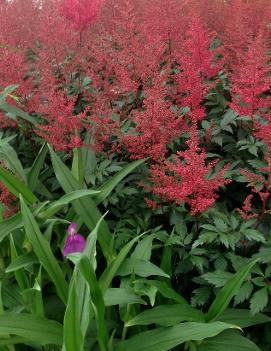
(243, 318)
(225, 295)
(167, 315)
(54, 207)
(252, 234)
(264, 255)
(143, 249)
(34, 328)
(73, 337)
(118, 296)
(84, 207)
(166, 291)
(8, 90)
(243, 293)
(12, 340)
(19, 274)
(259, 300)
(164, 339)
(140, 267)
(110, 272)
(15, 186)
(85, 314)
(107, 188)
(78, 167)
(23, 261)
(43, 251)
(87, 271)
(18, 112)
(33, 174)
(8, 154)
(217, 278)
(9, 225)
(226, 340)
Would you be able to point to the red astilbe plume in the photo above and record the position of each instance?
(156, 125)
(166, 21)
(127, 47)
(63, 127)
(250, 79)
(184, 179)
(242, 21)
(82, 13)
(196, 67)
(8, 200)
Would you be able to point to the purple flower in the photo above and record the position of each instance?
(75, 242)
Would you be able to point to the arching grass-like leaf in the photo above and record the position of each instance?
(15, 186)
(10, 224)
(34, 172)
(54, 207)
(73, 336)
(84, 207)
(107, 188)
(43, 251)
(225, 295)
(167, 315)
(33, 328)
(164, 339)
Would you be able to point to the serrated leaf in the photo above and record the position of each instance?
(264, 255)
(259, 300)
(217, 278)
(244, 293)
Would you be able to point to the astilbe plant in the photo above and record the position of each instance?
(150, 71)
(156, 125)
(82, 13)
(185, 178)
(196, 68)
(250, 80)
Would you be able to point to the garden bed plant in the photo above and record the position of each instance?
(135, 175)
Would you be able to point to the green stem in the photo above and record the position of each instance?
(125, 329)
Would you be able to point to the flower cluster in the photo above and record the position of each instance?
(133, 77)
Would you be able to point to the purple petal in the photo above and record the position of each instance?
(74, 243)
(72, 229)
